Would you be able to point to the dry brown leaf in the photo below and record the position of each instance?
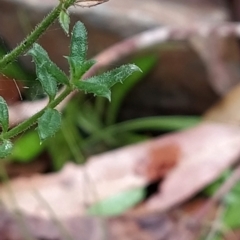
(227, 109)
(156, 226)
(206, 152)
(198, 157)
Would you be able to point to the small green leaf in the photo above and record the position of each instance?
(95, 88)
(78, 47)
(41, 57)
(49, 123)
(119, 203)
(118, 74)
(78, 50)
(64, 21)
(4, 118)
(48, 72)
(48, 82)
(5, 148)
(100, 85)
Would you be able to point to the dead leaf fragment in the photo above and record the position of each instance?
(227, 109)
(207, 151)
(199, 156)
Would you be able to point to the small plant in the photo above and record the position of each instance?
(48, 120)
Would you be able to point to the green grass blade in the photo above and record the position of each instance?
(163, 123)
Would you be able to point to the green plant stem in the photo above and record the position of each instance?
(99, 106)
(29, 122)
(163, 123)
(39, 30)
(72, 143)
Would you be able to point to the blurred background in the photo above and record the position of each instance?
(180, 77)
(189, 77)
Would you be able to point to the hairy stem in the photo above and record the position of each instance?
(32, 120)
(38, 31)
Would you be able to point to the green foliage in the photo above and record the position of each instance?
(49, 123)
(100, 85)
(64, 21)
(231, 219)
(231, 204)
(58, 150)
(89, 131)
(66, 143)
(123, 129)
(3, 115)
(117, 204)
(213, 187)
(78, 52)
(90, 125)
(5, 148)
(79, 46)
(90, 120)
(13, 70)
(48, 73)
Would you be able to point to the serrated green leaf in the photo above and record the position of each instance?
(78, 47)
(49, 123)
(47, 71)
(117, 75)
(78, 50)
(40, 56)
(5, 148)
(64, 21)
(48, 82)
(118, 203)
(4, 118)
(100, 85)
(96, 89)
